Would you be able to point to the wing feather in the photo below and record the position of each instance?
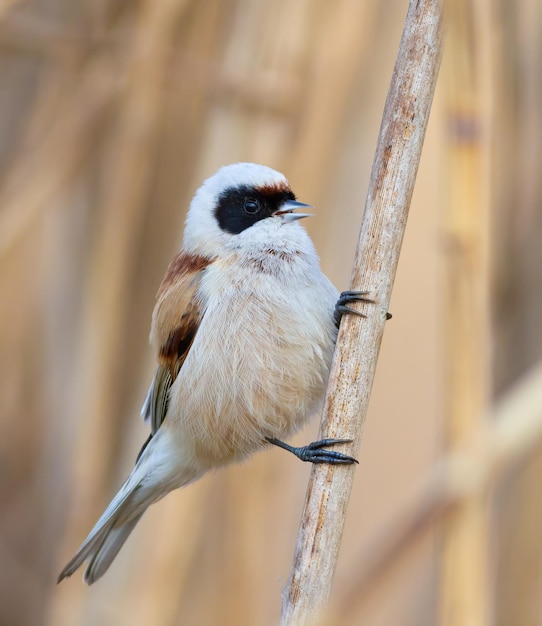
(175, 322)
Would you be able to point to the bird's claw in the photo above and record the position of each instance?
(346, 298)
(315, 452)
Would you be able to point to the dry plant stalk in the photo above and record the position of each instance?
(352, 372)
(509, 435)
(465, 564)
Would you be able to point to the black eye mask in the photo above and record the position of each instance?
(239, 208)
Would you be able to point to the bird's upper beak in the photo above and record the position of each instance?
(287, 208)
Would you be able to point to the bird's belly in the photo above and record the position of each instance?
(251, 373)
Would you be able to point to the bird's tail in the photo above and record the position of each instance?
(109, 534)
(108, 550)
(125, 510)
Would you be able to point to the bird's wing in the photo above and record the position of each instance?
(175, 322)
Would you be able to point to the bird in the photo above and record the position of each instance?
(243, 331)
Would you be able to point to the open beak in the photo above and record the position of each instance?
(286, 211)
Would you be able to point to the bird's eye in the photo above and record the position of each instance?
(252, 206)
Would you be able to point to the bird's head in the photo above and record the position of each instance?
(243, 206)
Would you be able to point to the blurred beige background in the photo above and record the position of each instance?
(111, 114)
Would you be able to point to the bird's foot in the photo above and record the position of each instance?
(315, 452)
(346, 298)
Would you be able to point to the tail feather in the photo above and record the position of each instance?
(154, 475)
(98, 540)
(108, 550)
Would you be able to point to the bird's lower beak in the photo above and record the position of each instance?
(286, 211)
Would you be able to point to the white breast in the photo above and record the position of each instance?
(258, 366)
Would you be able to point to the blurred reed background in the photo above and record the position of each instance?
(111, 114)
